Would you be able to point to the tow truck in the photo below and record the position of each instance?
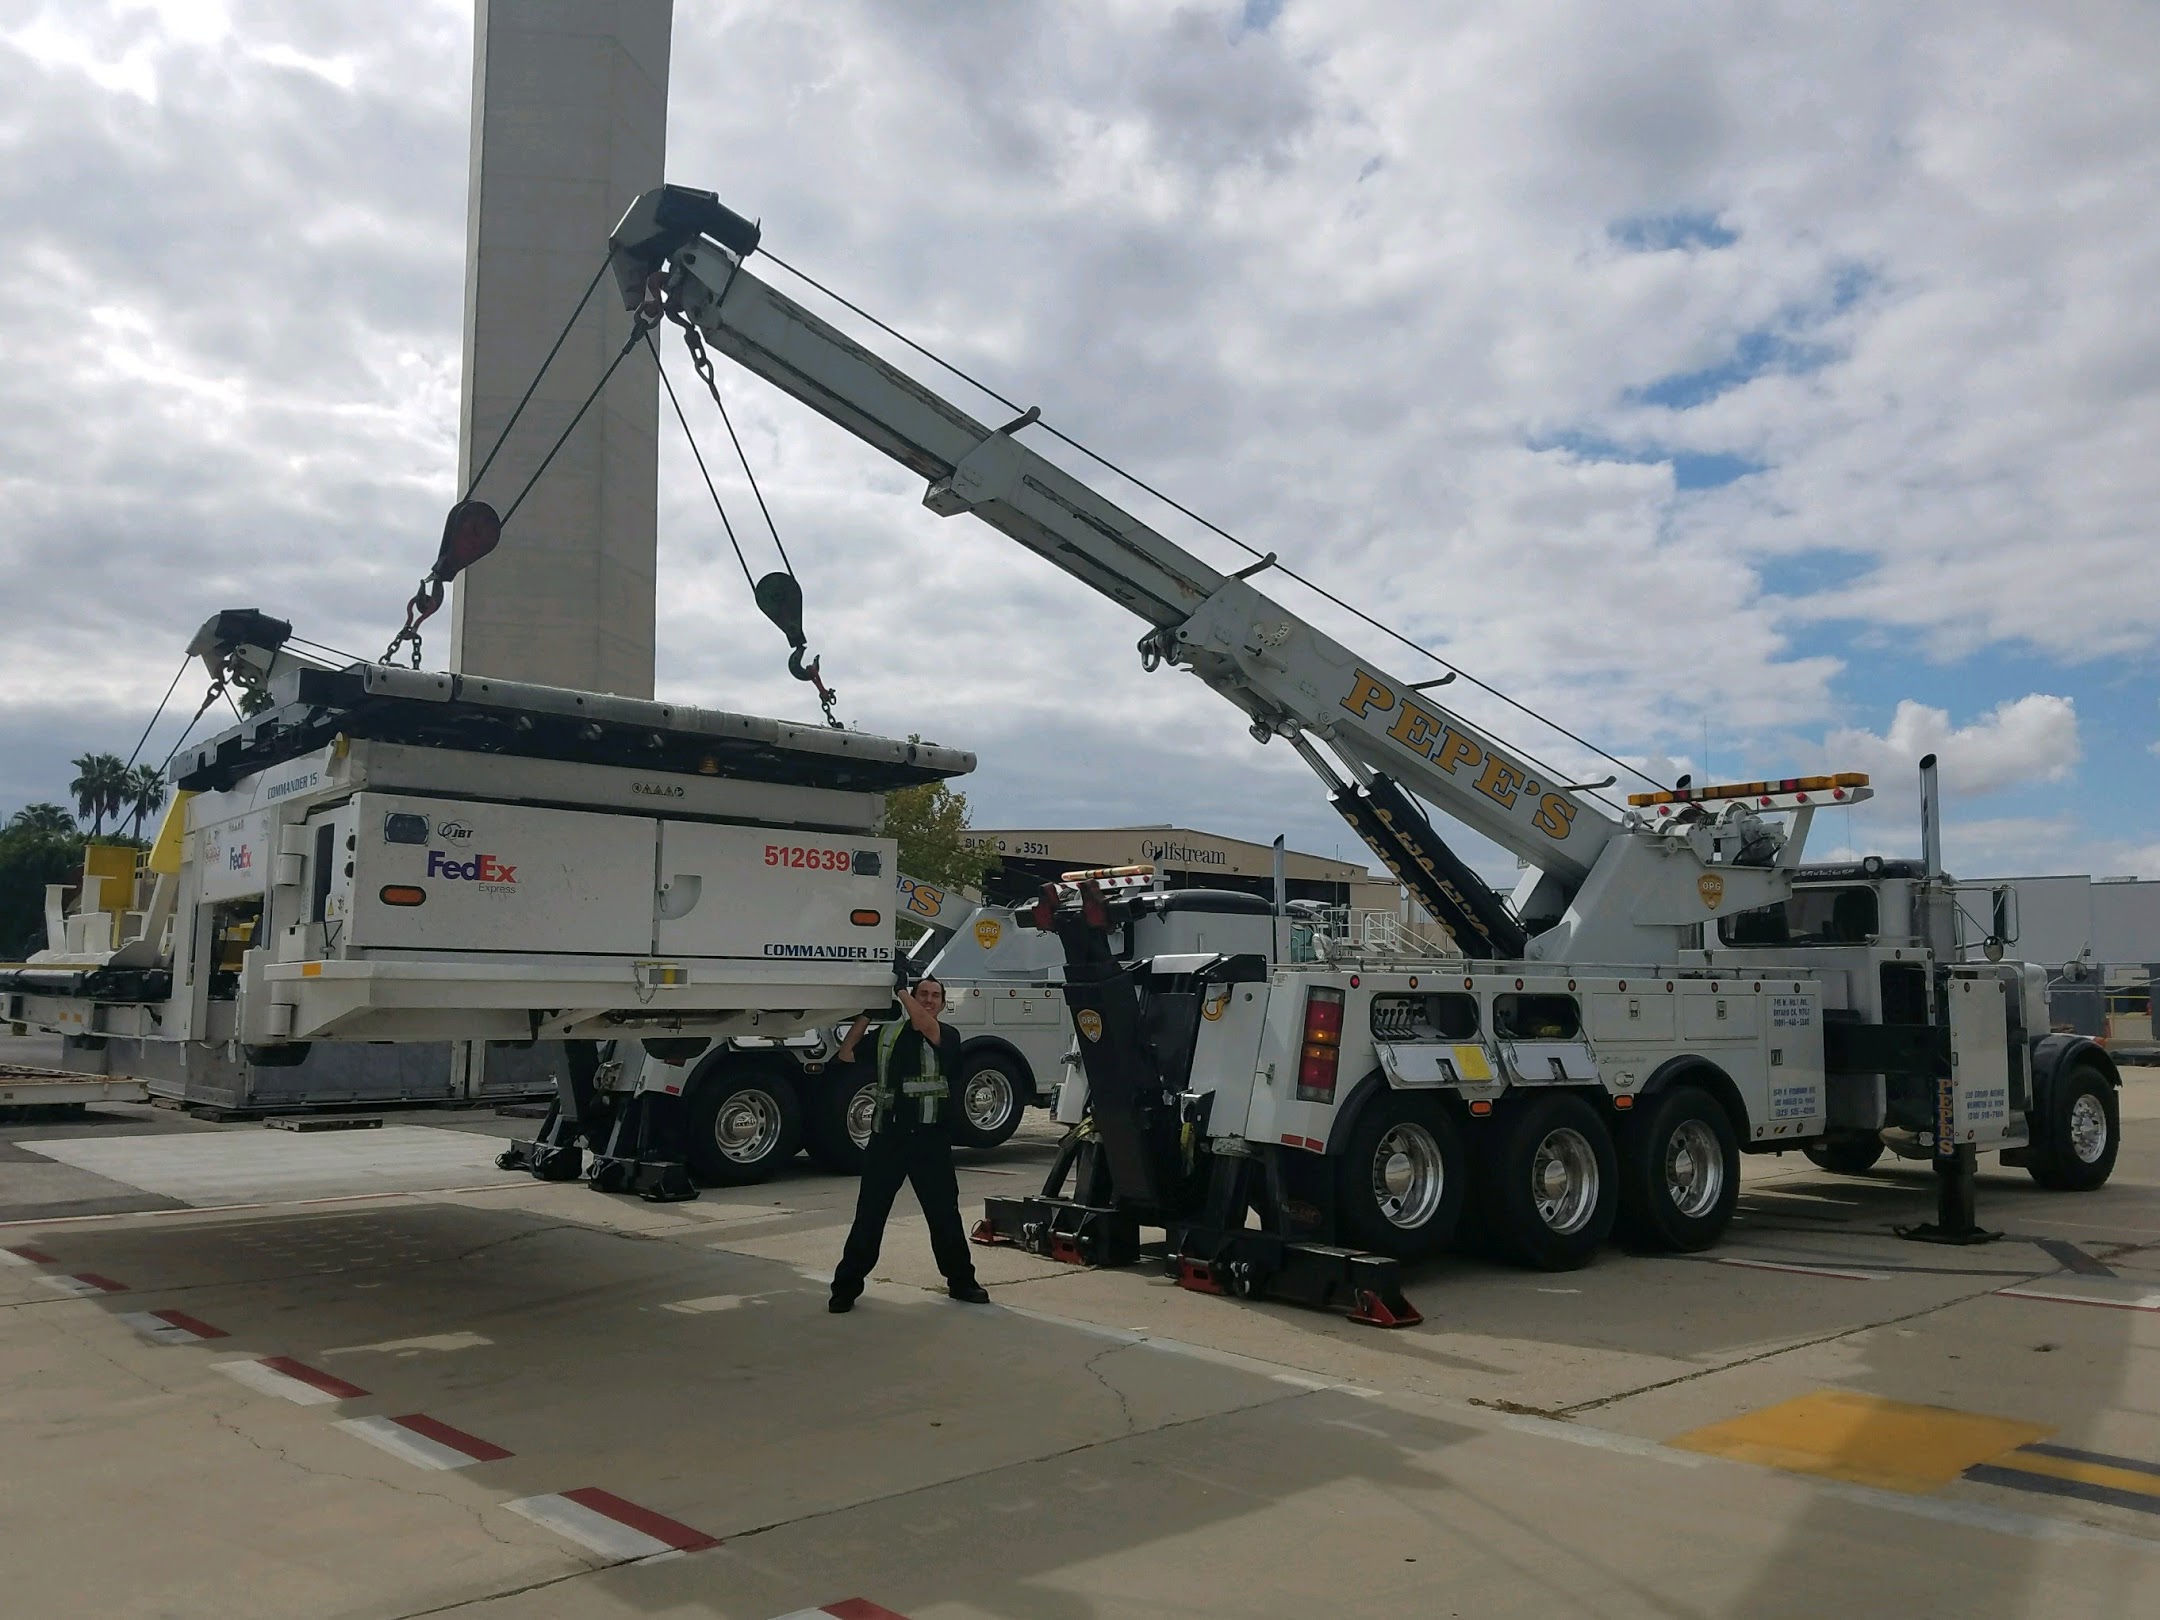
(1637, 1013)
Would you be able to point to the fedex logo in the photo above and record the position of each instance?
(479, 869)
(240, 859)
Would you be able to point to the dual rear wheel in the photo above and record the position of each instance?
(1553, 1180)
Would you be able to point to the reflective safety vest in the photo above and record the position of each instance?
(923, 1094)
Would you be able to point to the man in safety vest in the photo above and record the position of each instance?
(910, 1140)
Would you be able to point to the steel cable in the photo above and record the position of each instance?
(1216, 528)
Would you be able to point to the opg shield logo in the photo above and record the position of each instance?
(1090, 1022)
(476, 869)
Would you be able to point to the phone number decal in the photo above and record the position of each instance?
(812, 860)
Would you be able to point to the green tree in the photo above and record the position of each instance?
(931, 824)
(42, 818)
(30, 859)
(145, 794)
(100, 788)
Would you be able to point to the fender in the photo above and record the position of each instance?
(2052, 1056)
(1347, 1111)
(1695, 1070)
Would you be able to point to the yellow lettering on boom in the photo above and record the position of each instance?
(1367, 694)
(1555, 817)
(1415, 728)
(1456, 749)
(1500, 781)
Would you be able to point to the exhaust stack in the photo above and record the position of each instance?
(1930, 818)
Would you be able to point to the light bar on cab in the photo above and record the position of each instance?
(1834, 786)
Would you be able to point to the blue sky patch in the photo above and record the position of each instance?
(1666, 233)
(1758, 353)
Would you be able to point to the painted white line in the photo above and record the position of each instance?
(87, 1286)
(8, 1257)
(1982, 1516)
(1804, 1197)
(606, 1524)
(2064, 1295)
(1576, 1434)
(265, 1379)
(403, 1441)
(1972, 1515)
(595, 1532)
(259, 1203)
(159, 1328)
(1276, 1371)
(1803, 1270)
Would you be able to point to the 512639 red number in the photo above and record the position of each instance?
(810, 860)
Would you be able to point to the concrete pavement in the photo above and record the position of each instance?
(545, 1392)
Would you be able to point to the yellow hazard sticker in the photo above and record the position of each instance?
(1472, 1064)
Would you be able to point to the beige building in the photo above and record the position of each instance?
(1031, 856)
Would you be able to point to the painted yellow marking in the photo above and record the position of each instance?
(1472, 1064)
(310, 970)
(2084, 1473)
(1839, 1434)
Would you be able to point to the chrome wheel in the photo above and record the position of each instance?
(2088, 1129)
(1564, 1180)
(988, 1099)
(746, 1129)
(1408, 1176)
(1694, 1169)
(861, 1115)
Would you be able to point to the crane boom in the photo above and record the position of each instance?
(1592, 887)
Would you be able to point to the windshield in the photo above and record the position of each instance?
(1830, 916)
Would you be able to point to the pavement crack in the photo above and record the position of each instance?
(1092, 1367)
(1036, 1460)
(1774, 1352)
(223, 1418)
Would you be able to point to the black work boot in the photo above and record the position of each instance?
(969, 1293)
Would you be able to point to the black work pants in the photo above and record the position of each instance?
(922, 1156)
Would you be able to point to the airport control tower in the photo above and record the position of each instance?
(569, 122)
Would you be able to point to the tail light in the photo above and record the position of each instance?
(1321, 1054)
(1092, 908)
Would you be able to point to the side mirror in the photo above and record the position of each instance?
(2005, 917)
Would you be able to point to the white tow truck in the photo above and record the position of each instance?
(1635, 1016)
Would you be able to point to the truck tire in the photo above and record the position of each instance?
(1844, 1155)
(2079, 1134)
(1551, 1190)
(1679, 1171)
(1401, 1178)
(839, 1117)
(745, 1123)
(992, 1098)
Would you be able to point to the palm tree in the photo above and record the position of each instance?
(100, 788)
(42, 818)
(145, 793)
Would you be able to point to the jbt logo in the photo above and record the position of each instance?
(479, 869)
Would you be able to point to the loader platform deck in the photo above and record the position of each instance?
(434, 709)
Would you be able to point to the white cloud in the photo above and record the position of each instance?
(2019, 743)
(1355, 284)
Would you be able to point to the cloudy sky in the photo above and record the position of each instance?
(1753, 388)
